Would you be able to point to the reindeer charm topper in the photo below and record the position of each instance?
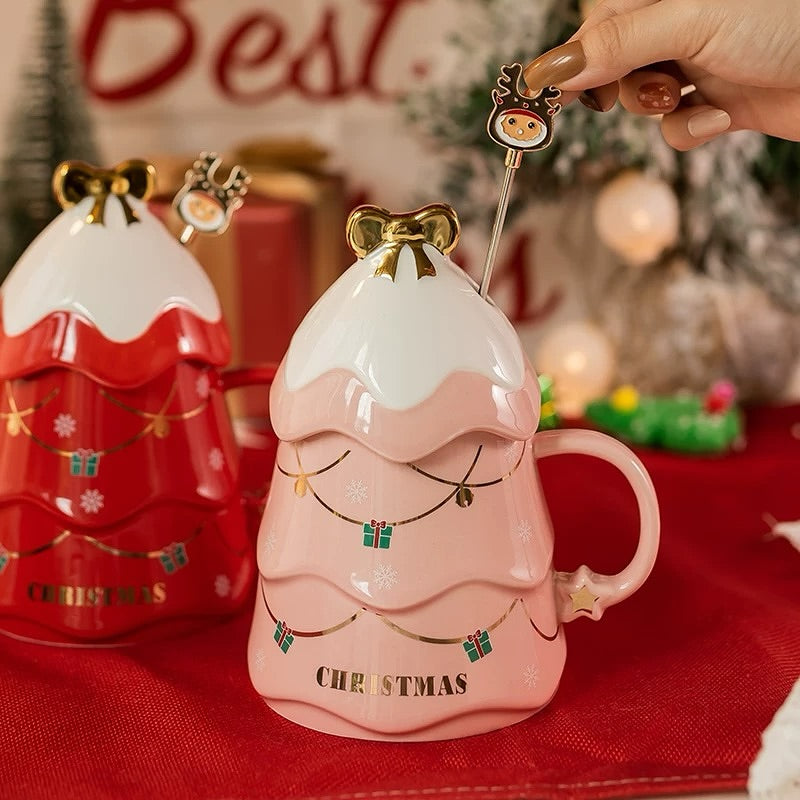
(204, 204)
(520, 121)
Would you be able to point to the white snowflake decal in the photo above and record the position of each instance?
(92, 501)
(64, 425)
(222, 585)
(202, 385)
(259, 659)
(356, 491)
(524, 530)
(270, 543)
(530, 675)
(384, 576)
(215, 459)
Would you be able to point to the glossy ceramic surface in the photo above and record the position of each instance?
(121, 515)
(407, 589)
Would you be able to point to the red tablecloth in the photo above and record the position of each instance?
(667, 694)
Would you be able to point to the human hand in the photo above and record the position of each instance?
(742, 57)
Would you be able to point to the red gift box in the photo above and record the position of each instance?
(261, 269)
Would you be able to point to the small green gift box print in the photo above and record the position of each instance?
(377, 534)
(84, 462)
(5, 557)
(173, 557)
(283, 636)
(478, 645)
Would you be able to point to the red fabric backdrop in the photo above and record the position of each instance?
(667, 694)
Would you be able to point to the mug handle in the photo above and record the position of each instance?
(583, 592)
(248, 376)
(237, 378)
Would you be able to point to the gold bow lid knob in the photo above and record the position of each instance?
(74, 181)
(371, 227)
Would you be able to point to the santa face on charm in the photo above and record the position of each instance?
(520, 128)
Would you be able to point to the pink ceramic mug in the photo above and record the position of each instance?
(443, 626)
(407, 589)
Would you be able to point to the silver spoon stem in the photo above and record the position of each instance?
(513, 160)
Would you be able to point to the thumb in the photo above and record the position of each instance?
(665, 31)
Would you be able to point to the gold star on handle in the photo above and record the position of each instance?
(583, 600)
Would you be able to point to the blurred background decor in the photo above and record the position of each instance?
(47, 124)
(699, 277)
(684, 279)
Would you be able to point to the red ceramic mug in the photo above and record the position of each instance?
(124, 515)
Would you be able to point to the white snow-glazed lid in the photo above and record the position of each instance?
(403, 318)
(119, 276)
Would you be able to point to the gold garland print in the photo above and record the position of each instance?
(158, 423)
(477, 645)
(15, 416)
(378, 533)
(393, 524)
(172, 557)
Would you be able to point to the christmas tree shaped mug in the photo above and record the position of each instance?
(407, 588)
(120, 511)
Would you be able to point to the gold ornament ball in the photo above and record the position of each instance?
(580, 359)
(637, 216)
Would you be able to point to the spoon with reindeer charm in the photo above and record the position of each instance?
(519, 122)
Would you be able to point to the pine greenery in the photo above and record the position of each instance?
(739, 194)
(49, 123)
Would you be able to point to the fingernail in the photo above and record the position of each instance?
(657, 97)
(598, 99)
(708, 123)
(555, 66)
(590, 101)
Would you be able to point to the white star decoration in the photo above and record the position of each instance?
(222, 585)
(92, 501)
(64, 425)
(384, 576)
(356, 491)
(215, 459)
(259, 659)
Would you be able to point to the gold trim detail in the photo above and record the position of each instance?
(301, 484)
(369, 227)
(158, 423)
(482, 485)
(462, 491)
(307, 485)
(74, 181)
(583, 600)
(14, 416)
(114, 551)
(405, 632)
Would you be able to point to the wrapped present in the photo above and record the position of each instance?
(283, 636)
(5, 557)
(261, 272)
(377, 534)
(478, 645)
(173, 557)
(84, 462)
(294, 169)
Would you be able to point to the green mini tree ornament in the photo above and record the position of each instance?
(49, 123)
